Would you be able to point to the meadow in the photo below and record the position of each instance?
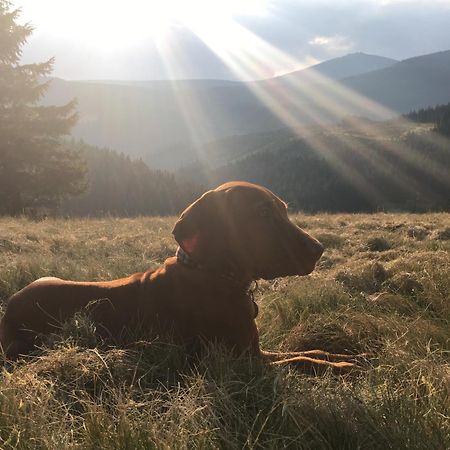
(382, 287)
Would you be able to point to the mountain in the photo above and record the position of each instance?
(380, 94)
(168, 123)
(177, 84)
(144, 121)
(338, 68)
(410, 84)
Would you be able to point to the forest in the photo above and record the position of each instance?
(357, 165)
(121, 186)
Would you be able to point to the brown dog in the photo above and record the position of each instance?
(229, 237)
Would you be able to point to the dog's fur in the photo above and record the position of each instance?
(232, 235)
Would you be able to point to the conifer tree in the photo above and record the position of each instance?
(35, 167)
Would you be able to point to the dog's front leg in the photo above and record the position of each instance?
(313, 362)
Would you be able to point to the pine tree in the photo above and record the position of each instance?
(35, 167)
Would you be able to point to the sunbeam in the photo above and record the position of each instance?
(194, 116)
(308, 100)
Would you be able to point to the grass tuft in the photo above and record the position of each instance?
(379, 244)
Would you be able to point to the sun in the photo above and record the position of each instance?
(111, 24)
(100, 24)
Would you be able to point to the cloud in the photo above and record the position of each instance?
(332, 43)
(412, 2)
(323, 29)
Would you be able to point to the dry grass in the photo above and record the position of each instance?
(382, 286)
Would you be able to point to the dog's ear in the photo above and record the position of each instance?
(197, 228)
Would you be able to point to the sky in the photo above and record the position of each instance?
(216, 39)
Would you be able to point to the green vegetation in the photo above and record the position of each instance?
(357, 165)
(438, 115)
(118, 185)
(35, 167)
(382, 287)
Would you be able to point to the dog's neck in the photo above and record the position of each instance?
(241, 285)
(187, 260)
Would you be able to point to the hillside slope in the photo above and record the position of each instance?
(166, 122)
(357, 165)
(410, 84)
(353, 64)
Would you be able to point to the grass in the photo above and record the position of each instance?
(382, 287)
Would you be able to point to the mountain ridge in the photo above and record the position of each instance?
(166, 121)
(352, 64)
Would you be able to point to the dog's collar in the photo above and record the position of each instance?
(187, 260)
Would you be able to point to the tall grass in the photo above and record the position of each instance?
(382, 287)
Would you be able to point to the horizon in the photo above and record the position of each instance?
(137, 80)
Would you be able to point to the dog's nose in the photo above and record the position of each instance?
(316, 249)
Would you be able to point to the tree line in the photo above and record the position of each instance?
(122, 186)
(339, 169)
(360, 166)
(438, 115)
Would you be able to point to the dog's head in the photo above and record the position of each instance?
(244, 228)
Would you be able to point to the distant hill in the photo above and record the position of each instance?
(338, 68)
(168, 84)
(144, 121)
(410, 84)
(168, 122)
